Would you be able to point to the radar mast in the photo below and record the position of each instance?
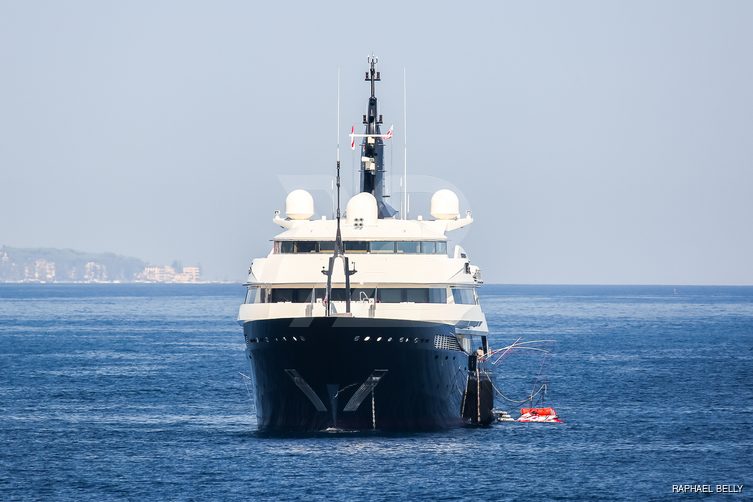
(373, 179)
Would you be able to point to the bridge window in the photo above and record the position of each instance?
(428, 247)
(437, 295)
(374, 247)
(464, 296)
(326, 246)
(253, 295)
(287, 247)
(411, 247)
(356, 247)
(417, 295)
(382, 247)
(306, 247)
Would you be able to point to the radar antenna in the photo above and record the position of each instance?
(373, 175)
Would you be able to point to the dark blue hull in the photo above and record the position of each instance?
(353, 373)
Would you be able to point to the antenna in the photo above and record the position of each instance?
(338, 237)
(405, 150)
(338, 117)
(339, 251)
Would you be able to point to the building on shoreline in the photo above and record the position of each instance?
(167, 273)
(45, 265)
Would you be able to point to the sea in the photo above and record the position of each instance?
(136, 391)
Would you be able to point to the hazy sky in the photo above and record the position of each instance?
(595, 142)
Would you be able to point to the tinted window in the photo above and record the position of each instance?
(287, 247)
(306, 247)
(338, 294)
(361, 294)
(302, 295)
(252, 295)
(407, 247)
(356, 246)
(428, 247)
(417, 295)
(414, 295)
(384, 295)
(437, 295)
(294, 295)
(441, 247)
(390, 295)
(382, 247)
(463, 296)
(282, 295)
(326, 246)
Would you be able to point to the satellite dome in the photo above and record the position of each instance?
(299, 205)
(362, 207)
(445, 205)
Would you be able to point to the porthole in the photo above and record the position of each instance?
(303, 339)
(402, 339)
(389, 339)
(356, 338)
(379, 339)
(366, 338)
(266, 339)
(284, 339)
(295, 339)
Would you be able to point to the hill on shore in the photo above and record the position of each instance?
(65, 265)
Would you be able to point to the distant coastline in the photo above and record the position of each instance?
(69, 266)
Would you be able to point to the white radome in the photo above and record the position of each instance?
(362, 207)
(445, 205)
(299, 205)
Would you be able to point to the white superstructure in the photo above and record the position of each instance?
(402, 267)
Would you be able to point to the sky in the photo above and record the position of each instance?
(595, 142)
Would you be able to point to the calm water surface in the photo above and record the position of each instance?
(136, 391)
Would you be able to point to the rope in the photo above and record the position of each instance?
(344, 388)
(529, 398)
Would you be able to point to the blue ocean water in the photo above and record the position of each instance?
(135, 391)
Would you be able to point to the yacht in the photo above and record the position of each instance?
(367, 320)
